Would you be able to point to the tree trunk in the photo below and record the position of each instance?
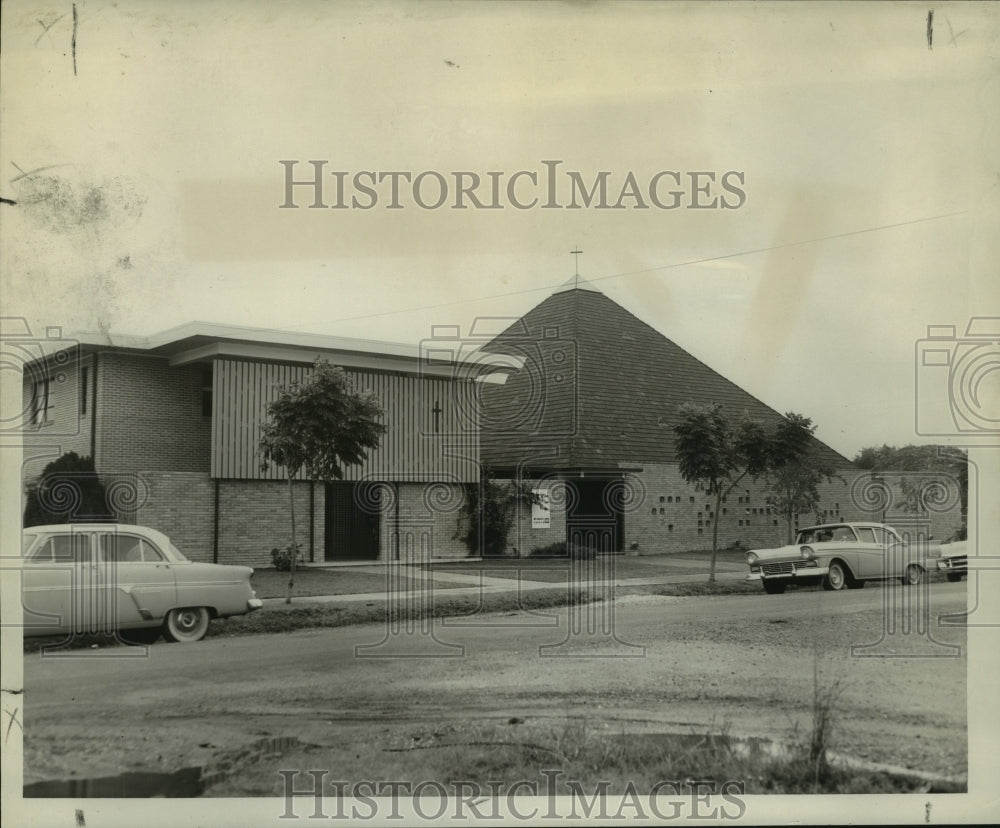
(790, 515)
(715, 536)
(295, 545)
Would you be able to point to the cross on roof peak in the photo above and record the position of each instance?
(576, 263)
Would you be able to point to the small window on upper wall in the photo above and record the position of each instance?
(84, 377)
(41, 401)
(206, 391)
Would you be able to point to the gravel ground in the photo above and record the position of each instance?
(749, 664)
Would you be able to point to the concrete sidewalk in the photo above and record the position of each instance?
(476, 583)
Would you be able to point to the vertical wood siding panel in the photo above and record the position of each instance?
(242, 391)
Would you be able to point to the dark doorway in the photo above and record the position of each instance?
(352, 532)
(592, 519)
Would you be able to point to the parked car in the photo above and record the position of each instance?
(954, 560)
(80, 579)
(838, 555)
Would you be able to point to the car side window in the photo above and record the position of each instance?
(63, 549)
(121, 548)
(128, 549)
(150, 552)
(866, 534)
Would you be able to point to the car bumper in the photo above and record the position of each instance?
(953, 566)
(254, 604)
(805, 573)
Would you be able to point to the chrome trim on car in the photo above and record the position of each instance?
(800, 572)
(787, 567)
(254, 604)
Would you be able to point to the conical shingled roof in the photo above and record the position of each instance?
(600, 389)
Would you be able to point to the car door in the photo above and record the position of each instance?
(896, 553)
(60, 584)
(139, 583)
(871, 555)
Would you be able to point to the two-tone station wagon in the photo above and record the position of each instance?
(838, 555)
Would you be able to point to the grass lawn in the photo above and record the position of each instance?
(559, 570)
(518, 759)
(269, 583)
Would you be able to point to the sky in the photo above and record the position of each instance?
(146, 167)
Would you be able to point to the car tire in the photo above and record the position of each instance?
(913, 575)
(140, 637)
(837, 577)
(186, 624)
(773, 587)
(953, 576)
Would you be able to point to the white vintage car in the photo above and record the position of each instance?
(954, 560)
(838, 555)
(90, 579)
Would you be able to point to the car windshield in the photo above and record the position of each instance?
(825, 534)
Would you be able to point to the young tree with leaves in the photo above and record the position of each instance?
(793, 487)
(715, 456)
(315, 428)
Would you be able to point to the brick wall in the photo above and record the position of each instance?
(254, 518)
(428, 522)
(668, 515)
(673, 516)
(179, 504)
(150, 415)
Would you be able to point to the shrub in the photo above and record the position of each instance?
(67, 491)
(488, 513)
(281, 557)
(553, 550)
(558, 550)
